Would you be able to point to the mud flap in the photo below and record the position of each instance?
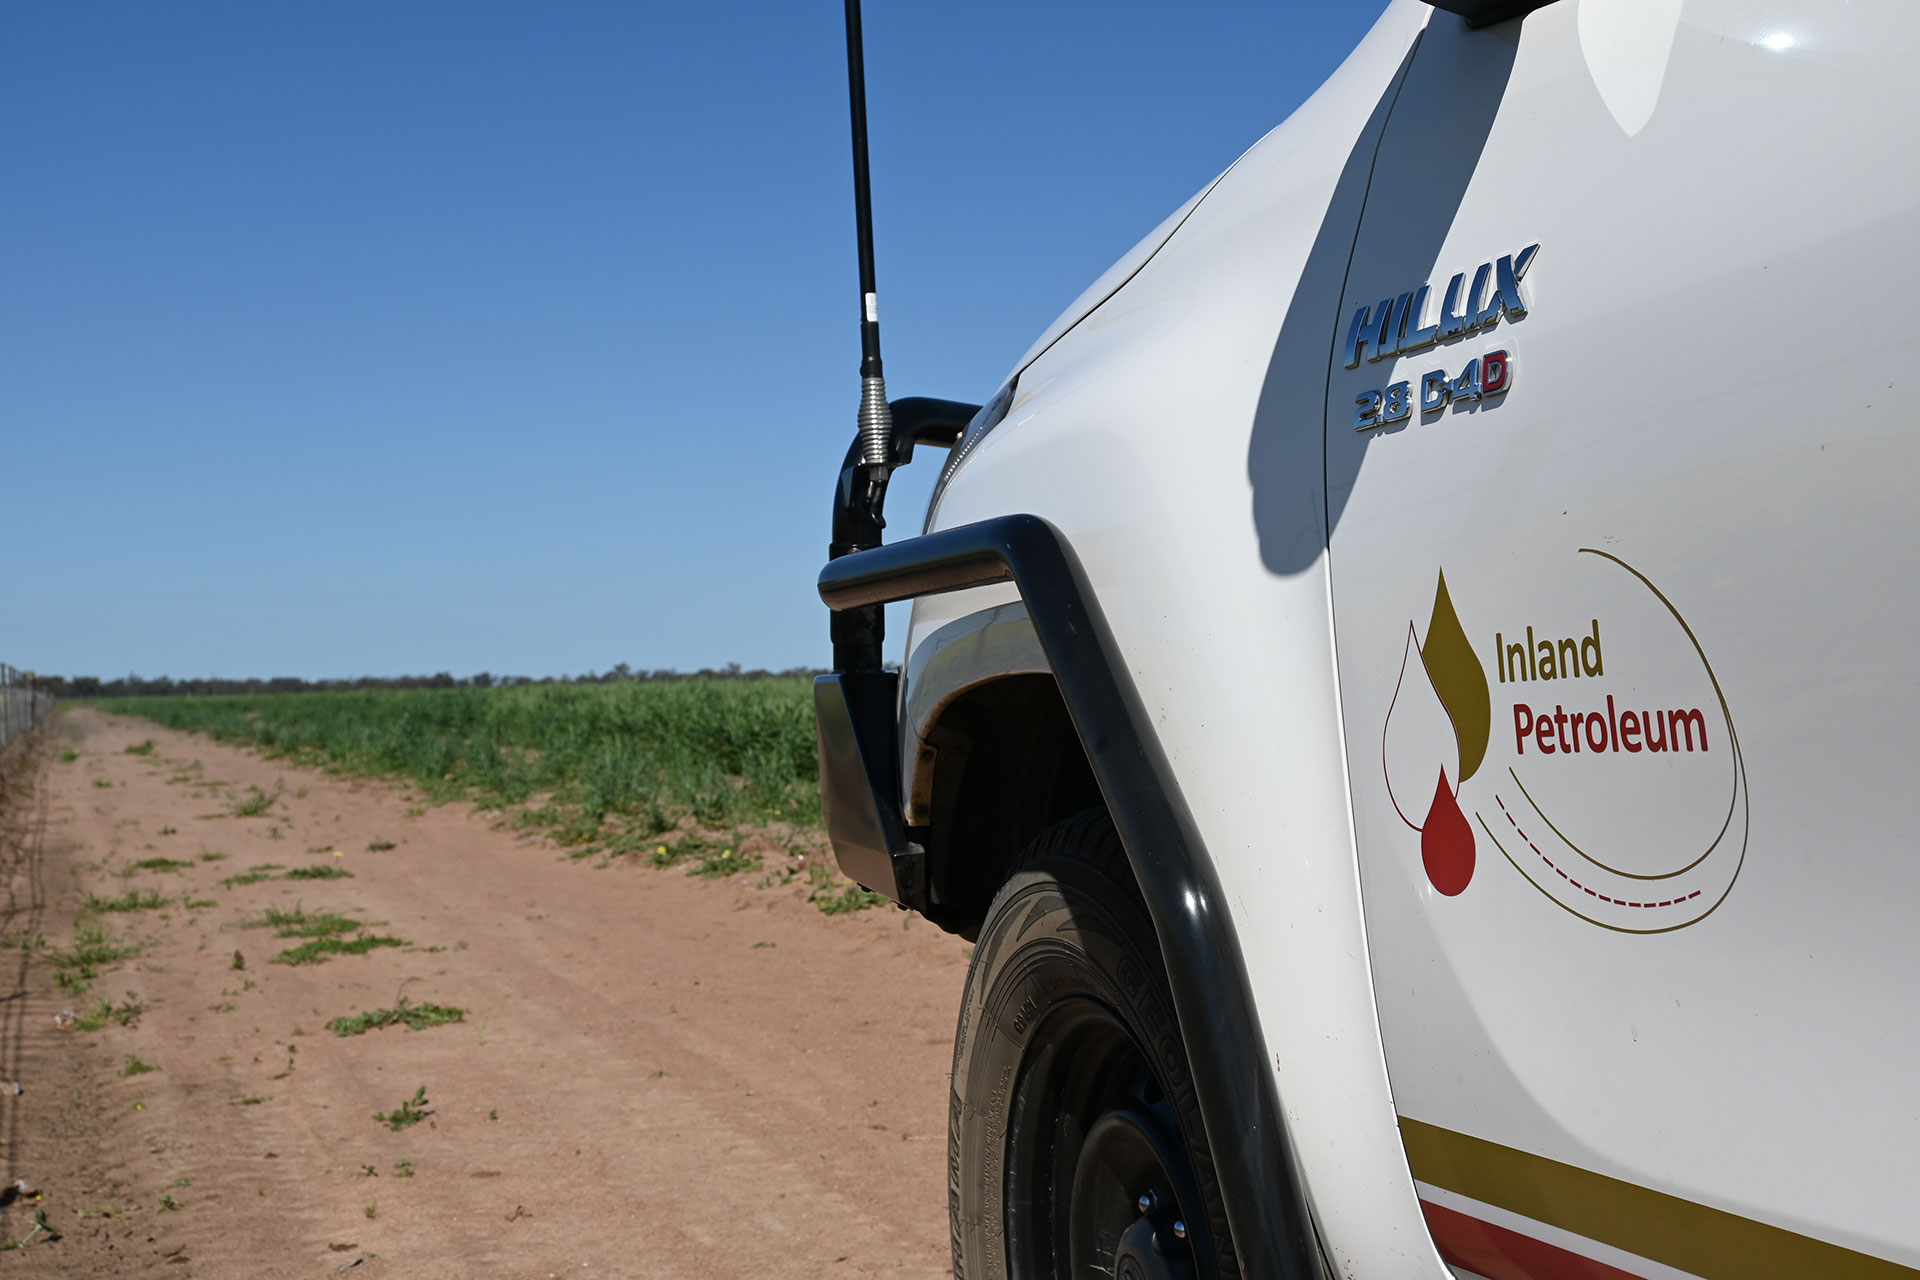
(860, 784)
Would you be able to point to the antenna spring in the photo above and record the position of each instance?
(876, 424)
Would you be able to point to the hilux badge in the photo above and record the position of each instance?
(1397, 326)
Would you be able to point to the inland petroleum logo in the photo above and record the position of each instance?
(1600, 760)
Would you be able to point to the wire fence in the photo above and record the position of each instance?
(23, 704)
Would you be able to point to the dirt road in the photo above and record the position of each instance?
(656, 1075)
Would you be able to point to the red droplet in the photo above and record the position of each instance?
(1446, 842)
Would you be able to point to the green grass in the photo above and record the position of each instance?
(313, 952)
(105, 1012)
(254, 803)
(320, 871)
(851, 898)
(414, 1017)
(838, 900)
(606, 759)
(301, 923)
(141, 748)
(40, 1228)
(410, 1112)
(92, 948)
(252, 877)
(131, 900)
(135, 1067)
(711, 864)
(161, 864)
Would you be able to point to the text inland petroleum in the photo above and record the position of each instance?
(1566, 732)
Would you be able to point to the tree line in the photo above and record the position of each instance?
(134, 686)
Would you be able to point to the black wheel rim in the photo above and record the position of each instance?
(1097, 1179)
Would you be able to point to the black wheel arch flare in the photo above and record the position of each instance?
(1266, 1208)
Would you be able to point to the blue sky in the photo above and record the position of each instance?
(378, 339)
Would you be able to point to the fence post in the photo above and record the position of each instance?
(22, 703)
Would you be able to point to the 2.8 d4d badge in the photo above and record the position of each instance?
(1401, 326)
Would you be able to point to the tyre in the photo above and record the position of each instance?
(1074, 1141)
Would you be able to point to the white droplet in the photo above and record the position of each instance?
(1418, 741)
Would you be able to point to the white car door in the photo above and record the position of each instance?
(1622, 455)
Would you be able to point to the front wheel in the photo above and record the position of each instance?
(1074, 1141)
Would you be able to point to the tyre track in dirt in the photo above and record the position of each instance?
(657, 1076)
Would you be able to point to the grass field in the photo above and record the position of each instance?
(604, 761)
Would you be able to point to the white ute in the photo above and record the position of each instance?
(1409, 682)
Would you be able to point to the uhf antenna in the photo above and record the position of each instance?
(876, 420)
(861, 495)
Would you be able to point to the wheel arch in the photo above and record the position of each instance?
(1271, 1225)
(995, 763)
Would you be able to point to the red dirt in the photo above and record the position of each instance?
(657, 1076)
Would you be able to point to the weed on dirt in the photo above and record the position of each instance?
(837, 900)
(255, 803)
(93, 945)
(92, 948)
(414, 1017)
(408, 1113)
(141, 748)
(131, 900)
(319, 949)
(39, 1231)
(320, 871)
(162, 864)
(106, 1012)
(711, 866)
(850, 898)
(301, 923)
(135, 1067)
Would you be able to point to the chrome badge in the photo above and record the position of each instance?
(1399, 326)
